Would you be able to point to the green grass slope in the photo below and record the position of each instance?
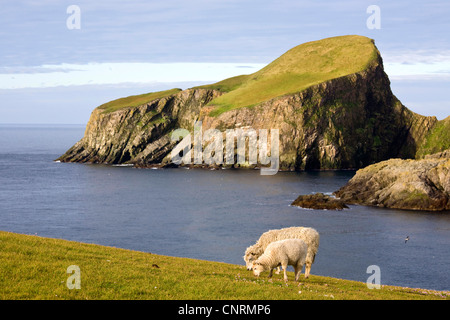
(299, 68)
(134, 101)
(437, 140)
(35, 268)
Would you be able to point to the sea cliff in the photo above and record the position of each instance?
(330, 100)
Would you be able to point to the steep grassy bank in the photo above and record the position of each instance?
(33, 267)
(437, 140)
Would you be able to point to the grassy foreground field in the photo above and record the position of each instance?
(33, 267)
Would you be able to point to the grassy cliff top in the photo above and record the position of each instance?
(299, 68)
(134, 101)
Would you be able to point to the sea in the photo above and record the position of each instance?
(208, 214)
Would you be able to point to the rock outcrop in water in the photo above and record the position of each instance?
(402, 184)
(343, 119)
(319, 201)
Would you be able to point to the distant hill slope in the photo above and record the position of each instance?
(330, 100)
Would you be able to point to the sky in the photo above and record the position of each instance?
(61, 59)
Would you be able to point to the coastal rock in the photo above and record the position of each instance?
(319, 201)
(402, 184)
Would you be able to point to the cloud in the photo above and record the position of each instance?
(398, 65)
(33, 70)
(417, 56)
(115, 73)
(420, 64)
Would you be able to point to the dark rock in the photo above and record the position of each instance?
(319, 201)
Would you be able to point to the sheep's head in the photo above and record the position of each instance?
(251, 254)
(257, 268)
(249, 258)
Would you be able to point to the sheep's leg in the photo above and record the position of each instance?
(270, 273)
(284, 266)
(307, 269)
(278, 268)
(298, 271)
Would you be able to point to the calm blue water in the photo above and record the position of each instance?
(203, 214)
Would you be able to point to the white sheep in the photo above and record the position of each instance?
(286, 252)
(309, 235)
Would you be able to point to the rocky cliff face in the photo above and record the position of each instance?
(139, 135)
(346, 122)
(403, 184)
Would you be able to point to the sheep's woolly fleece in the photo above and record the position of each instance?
(309, 235)
(284, 252)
